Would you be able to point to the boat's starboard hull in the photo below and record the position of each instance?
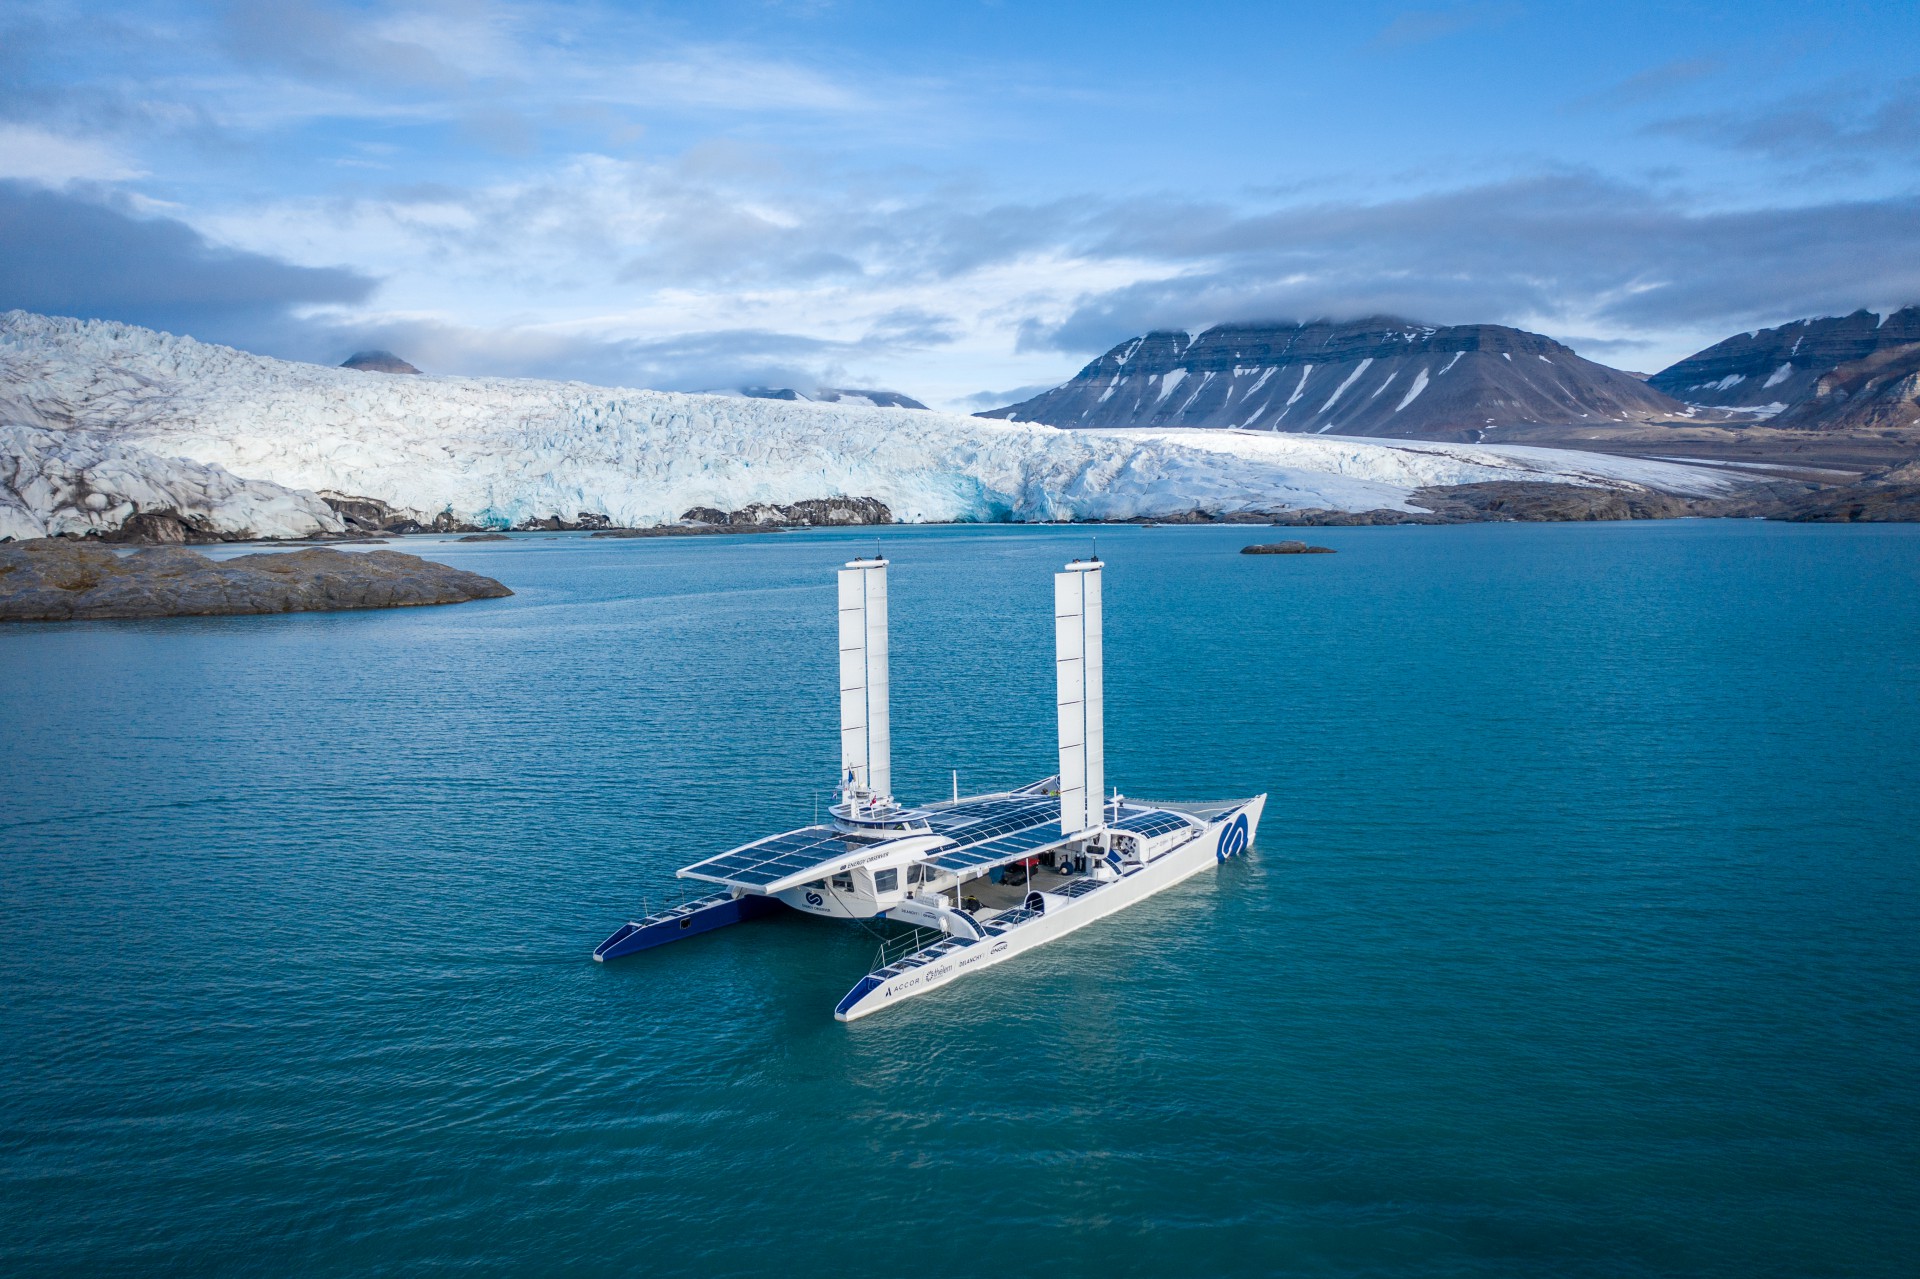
(1227, 835)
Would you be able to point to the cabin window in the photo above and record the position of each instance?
(886, 881)
(818, 883)
(916, 874)
(844, 881)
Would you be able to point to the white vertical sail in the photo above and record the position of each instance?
(1080, 696)
(866, 746)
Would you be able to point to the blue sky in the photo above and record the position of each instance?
(961, 201)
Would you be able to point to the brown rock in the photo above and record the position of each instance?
(61, 580)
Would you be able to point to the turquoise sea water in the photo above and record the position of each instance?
(1580, 939)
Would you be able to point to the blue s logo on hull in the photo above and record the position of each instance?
(1233, 838)
(815, 899)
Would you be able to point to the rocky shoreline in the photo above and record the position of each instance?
(59, 580)
(1891, 495)
(371, 515)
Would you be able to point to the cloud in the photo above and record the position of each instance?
(1654, 82)
(714, 360)
(733, 80)
(36, 155)
(64, 254)
(981, 401)
(1841, 123)
(1568, 252)
(330, 44)
(1423, 26)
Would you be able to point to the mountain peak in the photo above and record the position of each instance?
(377, 362)
(1770, 369)
(1378, 375)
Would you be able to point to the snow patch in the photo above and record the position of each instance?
(1780, 375)
(1340, 390)
(1170, 381)
(1300, 388)
(1413, 392)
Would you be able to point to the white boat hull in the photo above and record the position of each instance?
(1226, 835)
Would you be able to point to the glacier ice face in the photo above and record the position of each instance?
(97, 402)
(86, 481)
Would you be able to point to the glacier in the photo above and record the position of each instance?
(99, 418)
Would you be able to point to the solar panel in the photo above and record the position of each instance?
(977, 820)
(1026, 843)
(1151, 823)
(776, 858)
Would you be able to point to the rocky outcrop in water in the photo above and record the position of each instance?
(582, 521)
(1776, 369)
(371, 515)
(822, 512)
(60, 580)
(1378, 376)
(1286, 548)
(1891, 496)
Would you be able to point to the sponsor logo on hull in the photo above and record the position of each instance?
(1233, 838)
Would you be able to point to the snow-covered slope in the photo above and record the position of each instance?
(499, 451)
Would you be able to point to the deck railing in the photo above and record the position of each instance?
(894, 949)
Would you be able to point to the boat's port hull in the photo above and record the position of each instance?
(1226, 835)
(681, 922)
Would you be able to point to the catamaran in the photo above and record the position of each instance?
(981, 878)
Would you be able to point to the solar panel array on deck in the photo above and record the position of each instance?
(1152, 823)
(1004, 849)
(971, 822)
(770, 860)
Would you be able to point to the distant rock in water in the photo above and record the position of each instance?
(377, 362)
(485, 537)
(1286, 548)
(1378, 376)
(819, 511)
(58, 580)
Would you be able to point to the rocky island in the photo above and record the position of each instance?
(1285, 548)
(58, 580)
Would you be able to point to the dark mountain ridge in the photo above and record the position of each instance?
(1773, 370)
(377, 362)
(1377, 376)
(835, 395)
